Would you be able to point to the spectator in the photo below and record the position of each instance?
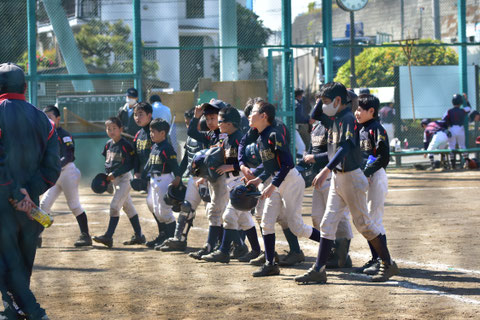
(125, 114)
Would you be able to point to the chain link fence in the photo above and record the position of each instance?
(196, 50)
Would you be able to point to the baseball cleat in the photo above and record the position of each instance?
(267, 270)
(104, 240)
(198, 254)
(367, 264)
(260, 260)
(239, 251)
(386, 272)
(158, 240)
(173, 244)
(373, 269)
(136, 239)
(312, 276)
(249, 256)
(83, 240)
(292, 258)
(217, 256)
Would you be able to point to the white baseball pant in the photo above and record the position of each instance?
(390, 129)
(348, 190)
(68, 183)
(234, 219)
(377, 192)
(219, 195)
(121, 196)
(458, 137)
(287, 199)
(192, 195)
(319, 205)
(159, 186)
(439, 141)
(299, 144)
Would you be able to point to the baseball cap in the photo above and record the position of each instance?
(12, 78)
(425, 121)
(210, 109)
(132, 92)
(231, 115)
(220, 104)
(364, 91)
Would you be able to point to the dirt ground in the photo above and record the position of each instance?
(432, 221)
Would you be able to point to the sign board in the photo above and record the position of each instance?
(433, 88)
(92, 107)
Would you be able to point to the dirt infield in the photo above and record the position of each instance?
(432, 222)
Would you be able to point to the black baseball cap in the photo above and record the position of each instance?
(364, 91)
(210, 109)
(132, 92)
(220, 104)
(12, 78)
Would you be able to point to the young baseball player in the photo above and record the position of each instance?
(218, 190)
(159, 168)
(348, 185)
(119, 154)
(454, 118)
(284, 193)
(317, 155)
(142, 144)
(192, 195)
(376, 155)
(435, 137)
(68, 180)
(233, 220)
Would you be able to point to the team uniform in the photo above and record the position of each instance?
(119, 157)
(374, 145)
(454, 119)
(435, 137)
(125, 114)
(287, 197)
(31, 162)
(161, 163)
(387, 116)
(67, 182)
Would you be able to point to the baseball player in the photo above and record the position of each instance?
(435, 137)
(118, 153)
(218, 190)
(192, 196)
(316, 155)
(284, 193)
(68, 180)
(233, 219)
(348, 185)
(31, 163)
(161, 163)
(454, 118)
(125, 113)
(376, 155)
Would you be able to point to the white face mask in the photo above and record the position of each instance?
(329, 109)
(130, 101)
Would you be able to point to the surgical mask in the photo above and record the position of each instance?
(329, 109)
(130, 101)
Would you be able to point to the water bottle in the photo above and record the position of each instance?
(405, 143)
(41, 217)
(398, 145)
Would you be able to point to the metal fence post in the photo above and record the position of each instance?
(32, 51)
(462, 56)
(287, 74)
(327, 39)
(137, 48)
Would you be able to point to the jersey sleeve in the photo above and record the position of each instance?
(195, 134)
(170, 158)
(283, 156)
(128, 156)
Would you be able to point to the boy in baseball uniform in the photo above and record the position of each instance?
(118, 153)
(348, 185)
(68, 180)
(160, 166)
(376, 155)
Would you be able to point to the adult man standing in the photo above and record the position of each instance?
(163, 112)
(125, 114)
(31, 166)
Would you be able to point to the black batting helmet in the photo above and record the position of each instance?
(244, 198)
(175, 195)
(307, 171)
(198, 167)
(214, 158)
(457, 99)
(99, 183)
(253, 155)
(139, 184)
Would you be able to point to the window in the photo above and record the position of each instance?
(195, 9)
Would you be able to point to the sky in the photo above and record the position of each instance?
(270, 11)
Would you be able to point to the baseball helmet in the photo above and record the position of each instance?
(139, 184)
(12, 78)
(198, 167)
(307, 171)
(253, 155)
(174, 196)
(99, 183)
(425, 121)
(244, 198)
(204, 193)
(214, 158)
(457, 99)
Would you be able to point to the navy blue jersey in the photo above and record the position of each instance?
(67, 146)
(192, 146)
(125, 115)
(456, 116)
(431, 129)
(230, 143)
(319, 146)
(163, 159)
(275, 155)
(374, 142)
(142, 144)
(36, 164)
(118, 157)
(208, 138)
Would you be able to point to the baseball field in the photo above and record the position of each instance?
(432, 221)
